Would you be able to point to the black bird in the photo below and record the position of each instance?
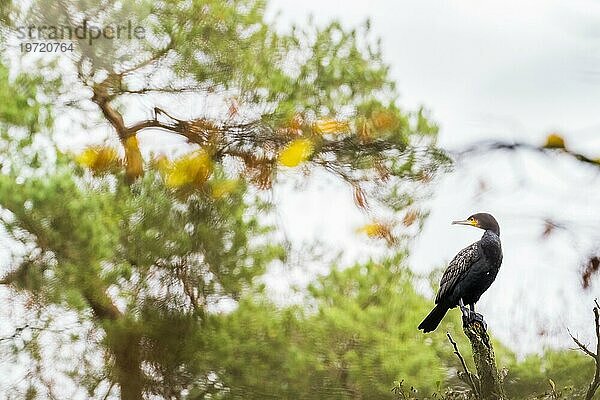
(469, 274)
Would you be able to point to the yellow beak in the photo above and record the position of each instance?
(465, 222)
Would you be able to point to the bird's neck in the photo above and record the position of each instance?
(490, 233)
(490, 243)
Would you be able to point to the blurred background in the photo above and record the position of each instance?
(254, 199)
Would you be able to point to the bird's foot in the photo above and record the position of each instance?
(466, 313)
(476, 317)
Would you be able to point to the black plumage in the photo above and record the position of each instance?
(470, 273)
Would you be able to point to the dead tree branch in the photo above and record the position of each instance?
(490, 383)
(491, 145)
(467, 375)
(20, 329)
(17, 332)
(593, 387)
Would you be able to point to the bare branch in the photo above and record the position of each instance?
(155, 58)
(468, 373)
(593, 387)
(148, 90)
(19, 330)
(581, 346)
(486, 146)
(110, 388)
(596, 382)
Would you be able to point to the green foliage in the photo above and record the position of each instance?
(18, 96)
(106, 231)
(569, 371)
(5, 10)
(366, 316)
(166, 257)
(355, 341)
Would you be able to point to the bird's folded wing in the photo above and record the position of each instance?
(459, 265)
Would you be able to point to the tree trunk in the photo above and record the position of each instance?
(124, 344)
(122, 340)
(129, 374)
(490, 383)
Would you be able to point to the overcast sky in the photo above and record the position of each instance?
(509, 70)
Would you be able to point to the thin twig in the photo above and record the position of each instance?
(19, 330)
(110, 388)
(582, 346)
(470, 382)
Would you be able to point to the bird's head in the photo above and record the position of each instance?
(483, 221)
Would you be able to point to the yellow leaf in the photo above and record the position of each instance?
(364, 130)
(134, 163)
(296, 152)
(99, 159)
(383, 120)
(223, 188)
(371, 230)
(378, 230)
(326, 126)
(554, 141)
(162, 164)
(192, 169)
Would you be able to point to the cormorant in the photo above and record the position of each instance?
(470, 273)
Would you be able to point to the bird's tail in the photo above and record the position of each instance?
(434, 318)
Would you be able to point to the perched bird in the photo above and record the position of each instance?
(470, 273)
